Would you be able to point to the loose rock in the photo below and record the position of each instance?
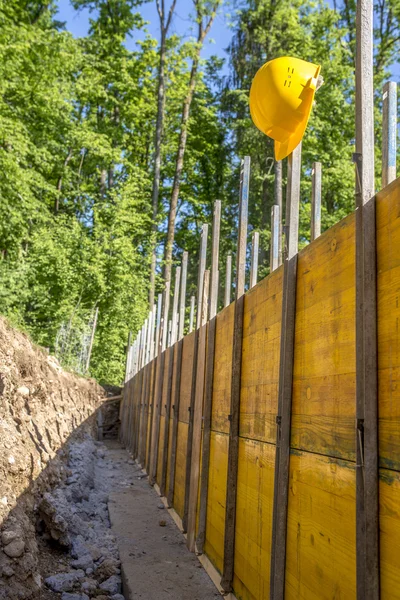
(15, 549)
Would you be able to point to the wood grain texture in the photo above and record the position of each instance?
(196, 439)
(389, 521)
(323, 403)
(222, 370)
(321, 545)
(388, 296)
(186, 376)
(260, 359)
(215, 525)
(180, 469)
(254, 519)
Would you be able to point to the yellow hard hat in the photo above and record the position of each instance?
(281, 98)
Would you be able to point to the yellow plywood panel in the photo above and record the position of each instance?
(186, 377)
(221, 404)
(180, 469)
(168, 353)
(321, 529)
(389, 521)
(388, 284)
(160, 449)
(216, 501)
(323, 407)
(171, 419)
(254, 508)
(260, 359)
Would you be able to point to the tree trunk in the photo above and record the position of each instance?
(183, 136)
(157, 165)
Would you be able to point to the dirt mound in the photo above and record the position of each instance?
(42, 408)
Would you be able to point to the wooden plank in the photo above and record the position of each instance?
(182, 297)
(316, 199)
(166, 424)
(191, 318)
(230, 518)
(228, 280)
(197, 420)
(209, 378)
(200, 284)
(175, 409)
(254, 259)
(275, 237)
(174, 327)
(215, 525)
(255, 498)
(260, 359)
(389, 132)
(281, 480)
(157, 415)
(154, 384)
(389, 522)
(321, 541)
(323, 407)
(278, 201)
(366, 314)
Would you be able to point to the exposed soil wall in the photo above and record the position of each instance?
(42, 408)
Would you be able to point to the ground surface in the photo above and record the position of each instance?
(156, 564)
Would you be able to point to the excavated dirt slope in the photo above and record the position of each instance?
(42, 410)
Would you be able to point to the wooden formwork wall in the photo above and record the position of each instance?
(321, 546)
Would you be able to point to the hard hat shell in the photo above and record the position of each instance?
(281, 98)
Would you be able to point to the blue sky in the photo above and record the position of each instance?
(218, 39)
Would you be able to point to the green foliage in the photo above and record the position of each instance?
(77, 123)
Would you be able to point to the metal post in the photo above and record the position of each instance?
(276, 238)
(389, 133)
(228, 280)
(182, 298)
(92, 339)
(215, 258)
(233, 448)
(254, 258)
(316, 201)
(282, 457)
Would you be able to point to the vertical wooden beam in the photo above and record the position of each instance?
(209, 376)
(144, 398)
(233, 449)
(176, 399)
(128, 356)
(367, 481)
(182, 298)
(254, 258)
(174, 328)
(197, 419)
(278, 201)
(139, 399)
(228, 280)
(191, 318)
(200, 284)
(389, 133)
(215, 258)
(153, 391)
(281, 484)
(316, 196)
(276, 237)
(164, 320)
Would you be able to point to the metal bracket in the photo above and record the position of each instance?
(360, 438)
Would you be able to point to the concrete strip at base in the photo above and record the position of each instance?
(155, 562)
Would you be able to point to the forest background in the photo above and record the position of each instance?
(106, 173)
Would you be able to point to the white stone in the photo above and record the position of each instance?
(23, 390)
